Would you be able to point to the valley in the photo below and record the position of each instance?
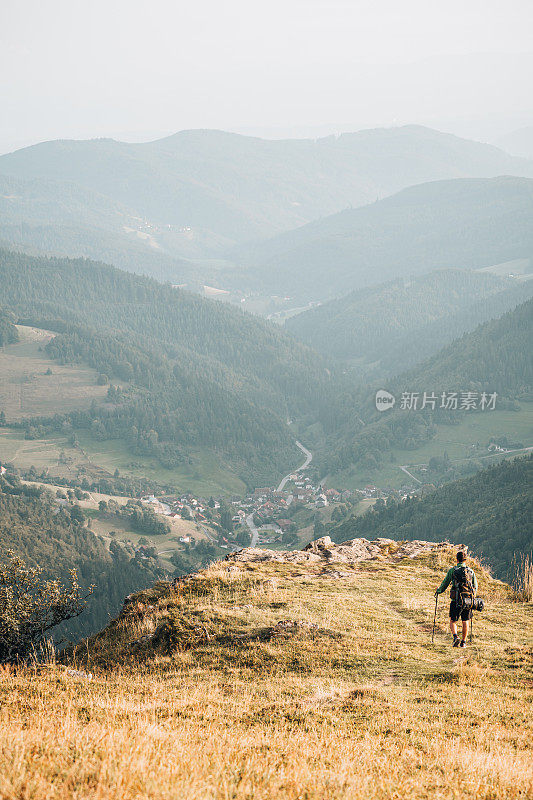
(266, 401)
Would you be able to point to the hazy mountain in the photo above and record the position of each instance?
(519, 142)
(402, 322)
(459, 223)
(198, 191)
(64, 218)
(495, 357)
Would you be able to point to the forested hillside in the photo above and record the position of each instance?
(496, 357)
(8, 331)
(58, 540)
(460, 223)
(403, 322)
(491, 512)
(62, 218)
(197, 192)
(190, 371)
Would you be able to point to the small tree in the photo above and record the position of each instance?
(30, 606)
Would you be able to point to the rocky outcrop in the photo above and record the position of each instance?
(351, 552)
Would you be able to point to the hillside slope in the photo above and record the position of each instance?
(34, 528)
(62, 218)
(192, 372)
(495, 357)
(198, 191)
(287, 679)
(492, 512)
(460, 223)
(403, 322)
(8, 330)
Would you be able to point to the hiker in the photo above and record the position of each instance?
(464, 582)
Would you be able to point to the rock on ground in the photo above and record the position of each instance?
(350, 552)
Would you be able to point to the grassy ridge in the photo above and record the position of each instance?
(362, 706)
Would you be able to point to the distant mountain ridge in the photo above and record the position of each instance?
(53, 217)
(459, 223)
(199, 192)
(518, 143)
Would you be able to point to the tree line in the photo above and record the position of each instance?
(491, 512)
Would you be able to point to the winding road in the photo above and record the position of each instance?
(308, 459)
(253, 530)
(250, 518)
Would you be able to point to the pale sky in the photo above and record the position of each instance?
(138, 70)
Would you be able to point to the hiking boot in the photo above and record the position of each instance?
(463, 643)
(456, 641)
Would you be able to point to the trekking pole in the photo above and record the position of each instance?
(435, 617)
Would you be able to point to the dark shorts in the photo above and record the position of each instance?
(455, 613)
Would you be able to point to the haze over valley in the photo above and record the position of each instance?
(266, 391)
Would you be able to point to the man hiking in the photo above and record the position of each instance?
(464, 584)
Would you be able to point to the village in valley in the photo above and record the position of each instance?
(271, 517)
(180, 529)
(171, 526)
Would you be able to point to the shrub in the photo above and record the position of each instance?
(30, 606)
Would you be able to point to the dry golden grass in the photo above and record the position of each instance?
(26, 390)
(523, 580)
(201, 693)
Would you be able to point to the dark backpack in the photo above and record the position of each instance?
(462, 586)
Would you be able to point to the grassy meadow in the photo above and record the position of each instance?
(456, 440)
(205, 475)
(27, 390)
(202, 474)
(282, 680)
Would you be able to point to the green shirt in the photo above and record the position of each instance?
(449, 578)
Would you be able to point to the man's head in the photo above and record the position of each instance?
(461, 556)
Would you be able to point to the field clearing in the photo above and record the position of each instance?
(25, 388)
(456, 440)
(94, 497)
(103, 523)
(206, 474)
(204, 477)
(52, 454)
